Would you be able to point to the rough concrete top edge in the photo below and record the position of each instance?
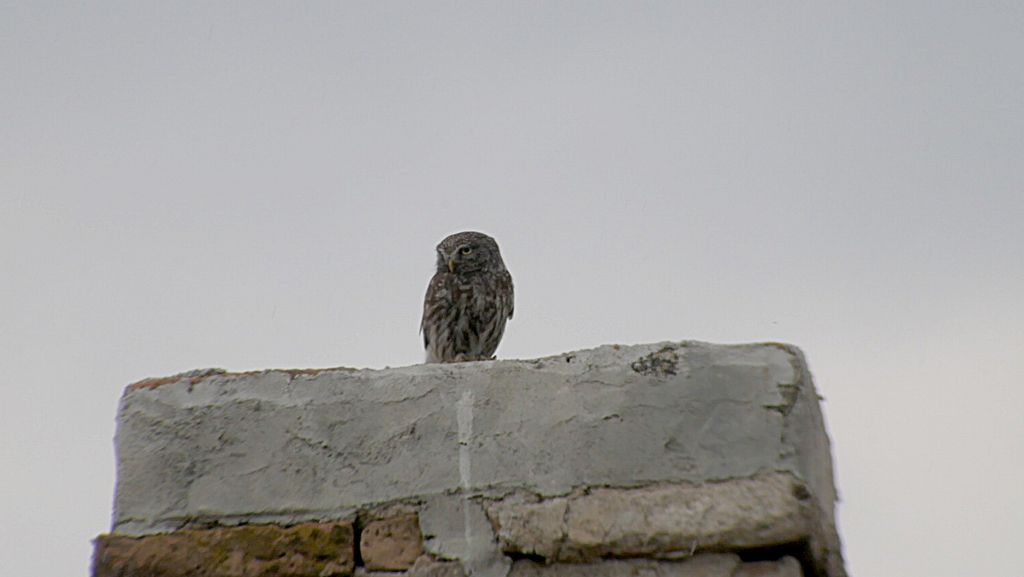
(196, 375)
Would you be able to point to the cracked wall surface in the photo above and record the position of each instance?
(663, 452)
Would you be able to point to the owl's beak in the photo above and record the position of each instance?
(451, 265)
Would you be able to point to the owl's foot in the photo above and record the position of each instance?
(464, 358)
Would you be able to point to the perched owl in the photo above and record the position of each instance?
(468, 300)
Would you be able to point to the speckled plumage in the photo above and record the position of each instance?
(468, 300)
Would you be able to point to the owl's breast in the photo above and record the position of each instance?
(475, 297)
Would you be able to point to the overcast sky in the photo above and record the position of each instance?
(249, 185)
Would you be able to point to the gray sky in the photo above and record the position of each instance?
(248, 185)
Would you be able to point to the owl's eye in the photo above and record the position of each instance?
(466, 250)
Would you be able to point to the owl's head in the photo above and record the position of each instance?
(468, 251)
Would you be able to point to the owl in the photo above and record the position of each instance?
(468, 300)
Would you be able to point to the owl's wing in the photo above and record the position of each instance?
(508, 291)
(434, 303)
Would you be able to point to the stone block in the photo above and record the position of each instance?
(785, 567)
(307, 550)
(658, 521)
(425, 566)
(391, 544)
(702, 565)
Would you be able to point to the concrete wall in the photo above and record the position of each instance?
(659, 459)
